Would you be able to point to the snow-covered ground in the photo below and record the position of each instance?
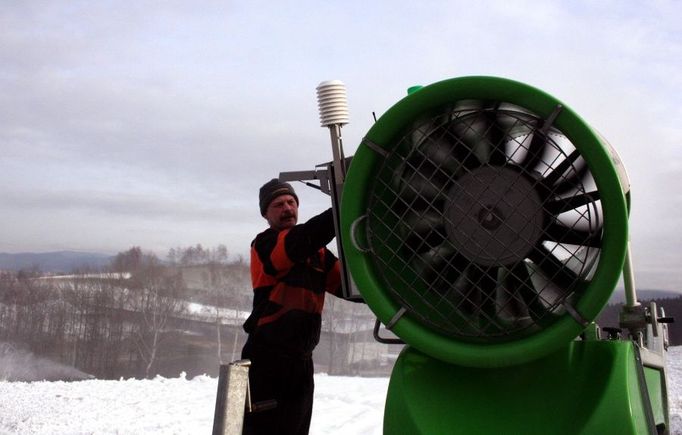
(675, 389)
(170, 406)
(343, 405)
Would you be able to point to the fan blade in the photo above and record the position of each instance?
(562, 205)
(573, 236)
(425, 222)
(484, 281)
(573, 179)
(423, 230)
(519, 282)
(446, 149)
(457, 264)
(464, 295)
(428, 265)
(510, 307)
(553, 269)
(439, 150)
(558, 181)
(464, 154)
(452, 277)
(422, 132)
(414, 176)
(535, 150)
(415, 183)
(495, 137)
(483, 136)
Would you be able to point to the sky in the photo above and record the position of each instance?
(153, 124)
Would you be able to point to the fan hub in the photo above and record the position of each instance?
(490, 217)
(494, 216)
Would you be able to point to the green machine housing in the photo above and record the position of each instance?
(485, 224)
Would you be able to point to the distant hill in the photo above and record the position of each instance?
(618, 296)
(56, 262)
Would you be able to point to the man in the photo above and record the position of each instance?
(291, 269)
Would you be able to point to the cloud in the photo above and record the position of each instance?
(116, 204)
(162, 120)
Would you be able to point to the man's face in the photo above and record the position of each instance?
(282, 213)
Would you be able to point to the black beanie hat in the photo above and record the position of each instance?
(271, 190)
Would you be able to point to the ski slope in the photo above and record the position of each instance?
(343, 405)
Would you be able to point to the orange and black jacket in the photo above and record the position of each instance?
(291, 270)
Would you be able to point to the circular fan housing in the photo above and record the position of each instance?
(484, 221)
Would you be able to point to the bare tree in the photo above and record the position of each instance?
(126, 321)
(223, 284)
(214, 280)
(155, 298)
(239, 293)
(158, 302)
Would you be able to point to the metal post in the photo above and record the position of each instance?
(333, 105)
(337, 154)
(629, 280)
(232, 398)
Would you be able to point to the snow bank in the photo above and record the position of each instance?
(170, 406)
(343, 405)
(675, 389)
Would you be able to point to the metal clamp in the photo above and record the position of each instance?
(383, 340)
(375, 147)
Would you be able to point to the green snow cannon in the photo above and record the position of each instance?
(485, 224)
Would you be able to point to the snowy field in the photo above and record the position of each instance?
(343, 405)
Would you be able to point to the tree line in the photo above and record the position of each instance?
(142, 316)
(117, 321)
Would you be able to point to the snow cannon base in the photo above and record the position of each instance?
(588, 387)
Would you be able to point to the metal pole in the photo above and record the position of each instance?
(337, 154)
(629, 280)
(333, 105)
(232, 398)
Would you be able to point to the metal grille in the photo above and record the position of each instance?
(485, 222)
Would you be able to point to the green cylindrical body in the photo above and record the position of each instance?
(589, 388)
